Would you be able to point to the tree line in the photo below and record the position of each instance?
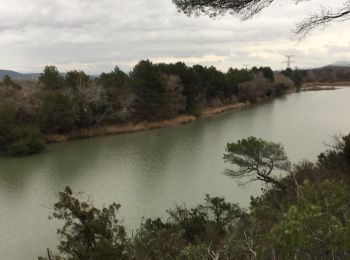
(304, 214)
(61, 103)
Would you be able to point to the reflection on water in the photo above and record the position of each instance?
(150, 171)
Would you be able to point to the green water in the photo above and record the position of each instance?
(150, 171)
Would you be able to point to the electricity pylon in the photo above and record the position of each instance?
(289, 61)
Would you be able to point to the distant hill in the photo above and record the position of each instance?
(27, 76)
(18, 75)
(341, 63)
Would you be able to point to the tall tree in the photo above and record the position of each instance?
(51, 78)
(120, 95)
(150, 90)
(76, 80)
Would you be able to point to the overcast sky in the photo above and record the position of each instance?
(96, 35)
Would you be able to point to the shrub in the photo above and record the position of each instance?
(28, 141)
(88, 232)
(317, 225)
(17, 139)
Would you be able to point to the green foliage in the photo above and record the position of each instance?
(298, 76)
(220, 211)
(17, 139)
(338, 156)
(89, 233)
(157, 240)
(317, 225)
(267, 72)
(256, 159)
(8, 82)
(76, 79)
(116, 79)
(308, 220)
(56, 113)
(25, 141)
(150, 91)
(280, 89)
(346, 149)
(234, 77)
(51, 78)
(120, 95)
(7, 126)
(194, 252)
(204, 224)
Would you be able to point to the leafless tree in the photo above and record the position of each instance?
(174, 91)
(246, 9)
(126, 102)
(87, 96)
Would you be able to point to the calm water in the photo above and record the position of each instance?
(149, 172)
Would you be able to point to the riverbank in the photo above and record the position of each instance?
(211, 111)
(326, 84)
(319, 88)
(118, 129)
(137, 127)
(176, 121)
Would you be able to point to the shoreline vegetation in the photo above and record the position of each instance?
(138, 127)
(65, 106)
(176, 121)
(327, 84)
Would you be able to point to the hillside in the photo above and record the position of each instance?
(18, 75)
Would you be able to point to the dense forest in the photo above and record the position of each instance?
(304, 214)
(61, 103)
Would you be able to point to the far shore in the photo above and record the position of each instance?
(137, 127)
(327, 84)
(176, 121)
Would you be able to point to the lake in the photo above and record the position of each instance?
(149, 172)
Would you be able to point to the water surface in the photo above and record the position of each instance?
(150, 171)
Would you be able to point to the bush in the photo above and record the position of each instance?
(317, 225)
(187, 231)
(88, 232)
(17, 139)
(28, 141)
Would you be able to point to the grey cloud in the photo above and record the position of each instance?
(99, 34)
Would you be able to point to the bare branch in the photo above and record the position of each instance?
(246, 9)
(322, 19)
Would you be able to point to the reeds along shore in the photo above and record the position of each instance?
(136, 127)
(118, 129)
